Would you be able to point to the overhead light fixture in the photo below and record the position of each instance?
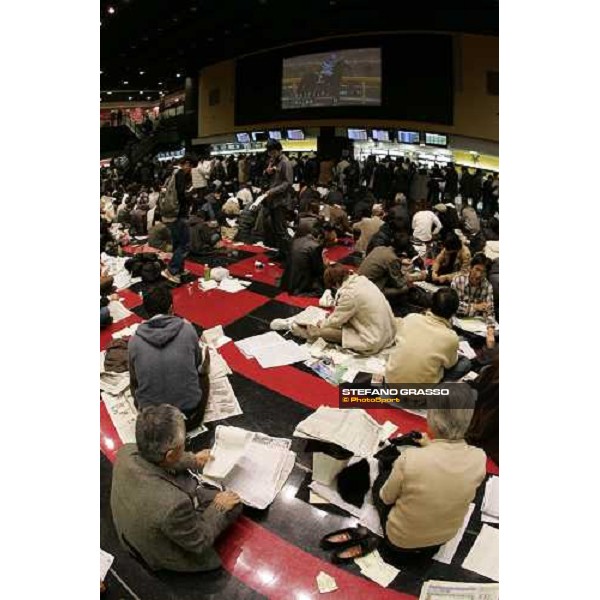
(148, 98)
(142, 72)
(130, 97)
(178, 74)
(111, 10)
(126, 83)
(160, 83)
(109, 93)
(142, 92)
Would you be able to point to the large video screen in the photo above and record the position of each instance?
(338, 78)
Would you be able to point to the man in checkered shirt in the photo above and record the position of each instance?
(476, 297)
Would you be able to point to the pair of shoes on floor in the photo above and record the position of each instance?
(348, 544)
(176, 279)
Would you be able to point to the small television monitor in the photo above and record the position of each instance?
(243, 138)
(295, 134)
(381, 135)
(275, 134)
(408, 137)
(436, 139)
(259, 136)
(358, 134)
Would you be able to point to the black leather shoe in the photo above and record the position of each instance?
(354, 535)
(356, 550)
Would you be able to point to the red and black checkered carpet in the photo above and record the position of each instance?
(272, 553)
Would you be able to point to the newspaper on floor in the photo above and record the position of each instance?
(376, 569)
(472, 325)
(218, 365)
(232, 285)
(272, 350)
(114, 383)
(123, 414)
(326, 583)
(254, 465)
(490, 508)
(354, 430)
(215, 337)
(446, 552)
(126, 332)
(106, 560)
(457, 590)
(310, 316)
(484, 556)
(367, 514)
(222, 402)
(117, 311)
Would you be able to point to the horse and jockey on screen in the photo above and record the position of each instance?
(327, 82)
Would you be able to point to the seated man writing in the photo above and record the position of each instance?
(161, 514)
(427, 346)
(303, 274)
(165, 360)
(388, 268)
(424, 500)
(362, 319)
(476, 296)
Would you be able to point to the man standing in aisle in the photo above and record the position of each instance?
(175, 209)
(278, 198)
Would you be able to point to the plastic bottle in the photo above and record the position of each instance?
(206, 273)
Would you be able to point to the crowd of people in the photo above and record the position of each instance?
(409, 227)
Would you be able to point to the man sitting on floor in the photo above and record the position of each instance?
(386, 267)
(303, 274)
(427, 346)
(362, 319)
(476, 296)
(367, 227)
(165, 360)
(161, 514)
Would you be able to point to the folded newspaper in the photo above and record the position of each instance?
(354, 430)
(254, 465)
(449, 590)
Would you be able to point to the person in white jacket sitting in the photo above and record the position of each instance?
(362, 319)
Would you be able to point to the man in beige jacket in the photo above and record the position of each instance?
(429, 490)
(362, 319)
(427, 346)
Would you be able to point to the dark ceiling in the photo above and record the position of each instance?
(146, 44)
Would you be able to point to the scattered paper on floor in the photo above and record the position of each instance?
(376, 569)
(484, 556)
(446, 553)
(326, 583)
(106, 560)
(456, 590)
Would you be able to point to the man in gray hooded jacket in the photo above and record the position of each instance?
(166, 365)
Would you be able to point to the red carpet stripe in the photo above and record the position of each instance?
(267, 274)
(106, 334)
(299, 301)
(274, 567)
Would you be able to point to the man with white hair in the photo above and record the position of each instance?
(162, 515)
(423, 502)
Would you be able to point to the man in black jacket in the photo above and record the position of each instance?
(303, 273)
(278, 198)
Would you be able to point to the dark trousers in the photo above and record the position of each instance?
(460, 369)
(193, 418)
(276, 233)
(180, 236)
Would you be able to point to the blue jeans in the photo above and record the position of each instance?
(180, 235)
(460, 369)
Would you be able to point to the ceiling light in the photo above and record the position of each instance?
(131, 97)
(109, 93)
(148, 98)
(111, 10)
(160, 83)
(142, 92)
(126, 83)
(142, 72)
(178, 74)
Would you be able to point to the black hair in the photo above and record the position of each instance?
(158, 301)
(452, 242)
(480, 259)
(274, 145)
(444, 303)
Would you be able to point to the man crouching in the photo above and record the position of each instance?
(161, 514)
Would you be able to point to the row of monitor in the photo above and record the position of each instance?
(381, 135)
(401, 136)
(273, 134)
